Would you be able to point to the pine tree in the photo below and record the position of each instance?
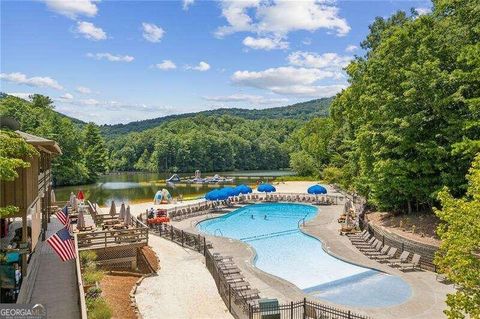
(95, 152)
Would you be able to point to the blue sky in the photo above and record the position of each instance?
(120, 61)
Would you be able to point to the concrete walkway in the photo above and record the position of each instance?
(53, 283)
(183, 287)
(427, 301)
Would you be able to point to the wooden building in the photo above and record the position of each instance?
(30, 192)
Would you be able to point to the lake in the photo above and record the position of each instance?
(141, 187)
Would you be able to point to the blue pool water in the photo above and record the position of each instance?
(284, 251)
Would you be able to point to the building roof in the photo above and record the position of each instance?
(47, 145)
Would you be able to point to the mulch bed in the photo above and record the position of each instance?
(425, 226)
(116, 285)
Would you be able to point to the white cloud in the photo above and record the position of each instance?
(202, 67)
(166, 65)
(289, 81)
(89, 31)
(109, 111)
(187, 4)
(422, 11)
(281, 17)
(307, 41)
(327, 61)
(253, 99)
(66, 96)
(73, 8)
(152, 32)
(35, 81)
(351, 48)
(265, 43)
(111, 57)
(25, 96)
(83, 90)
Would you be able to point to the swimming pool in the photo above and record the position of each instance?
(284, 251)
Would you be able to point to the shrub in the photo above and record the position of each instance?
(87, 257)
(91, 276)
(98, 309)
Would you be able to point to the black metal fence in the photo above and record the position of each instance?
(240, 306)
(185, 239)
(301, 310)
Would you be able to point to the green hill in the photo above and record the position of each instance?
(304, 111)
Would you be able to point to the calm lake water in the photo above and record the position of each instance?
(140, 187)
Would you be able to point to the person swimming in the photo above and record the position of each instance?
(252, 217)
(265, 217)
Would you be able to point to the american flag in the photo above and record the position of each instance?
(63, 244)
(62, 216)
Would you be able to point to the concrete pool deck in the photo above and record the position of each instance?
(428, 295)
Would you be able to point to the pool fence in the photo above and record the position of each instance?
(243, 306)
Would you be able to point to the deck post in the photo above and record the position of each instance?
(291, 309)
(349, 314)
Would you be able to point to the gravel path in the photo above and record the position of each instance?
(183, 288)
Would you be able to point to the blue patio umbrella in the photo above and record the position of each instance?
(243, 189)
(230, 191)
(267, 188)
(317, 189)
(212, 195)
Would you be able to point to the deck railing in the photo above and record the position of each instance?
(81, 293)
(110, 238)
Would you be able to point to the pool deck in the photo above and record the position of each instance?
(428, 295)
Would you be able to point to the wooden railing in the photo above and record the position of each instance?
(83, 305)
(111, 238)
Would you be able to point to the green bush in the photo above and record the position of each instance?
(87, 257)
(91, 276)
(98, 309)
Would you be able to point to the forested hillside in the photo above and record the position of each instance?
(77, 139)
(409, 123)
(208, 143)
(302, 111)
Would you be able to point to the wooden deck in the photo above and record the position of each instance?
(101, 239)
(51, 282)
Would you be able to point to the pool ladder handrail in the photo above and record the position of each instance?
(219, 230)
(301, 220)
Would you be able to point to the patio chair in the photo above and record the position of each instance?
(377, 245)
(396, 261)
(391, 254)
(383, 251)
(365, 243)
(411, 265)
(358, 235)
(362, 239)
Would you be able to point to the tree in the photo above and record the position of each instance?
(302, 163)
(459, 254)
(13, 154)
(95, 152)
(409, 123)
